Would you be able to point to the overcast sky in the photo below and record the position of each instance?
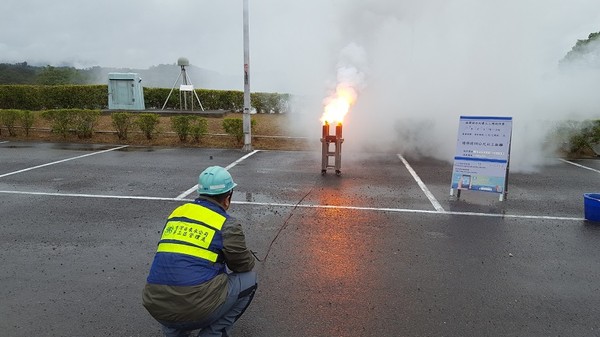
(289, 39)
(434, 59)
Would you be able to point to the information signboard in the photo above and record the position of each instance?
(482, 154)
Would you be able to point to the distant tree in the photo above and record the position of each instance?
(50, 75)
(93, 75)
(586, 51)
(18, 73)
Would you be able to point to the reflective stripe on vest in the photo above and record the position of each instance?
(200, 214)
(194, 238)
(187, 250)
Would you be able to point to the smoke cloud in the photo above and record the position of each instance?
(420, 66)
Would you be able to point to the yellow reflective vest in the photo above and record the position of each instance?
(190, 230)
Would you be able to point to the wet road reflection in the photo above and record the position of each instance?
(335, 254)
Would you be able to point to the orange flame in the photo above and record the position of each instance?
(338, 105)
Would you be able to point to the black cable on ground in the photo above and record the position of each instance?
(285, 223)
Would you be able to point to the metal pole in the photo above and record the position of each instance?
(170, 92)
(325, 148)
(338, 149)
(185, 83)
(246, 114)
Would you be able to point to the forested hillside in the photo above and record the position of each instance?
(585, 53)
(161, 76)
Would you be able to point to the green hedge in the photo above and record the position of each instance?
(46, 97)
(40, 97)
(269, 102)
(23, 97)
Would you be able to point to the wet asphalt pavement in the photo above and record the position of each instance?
(364, 254)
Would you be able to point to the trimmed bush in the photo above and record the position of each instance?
(235, 127)
(121, 121)
(199, 128)
(147, 123)
(577, 137)
(182, 125)
(61, 120)
(588, 135)
(84, 122)
(9, 119)
(27, 120)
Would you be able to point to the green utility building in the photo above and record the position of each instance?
(125, 91)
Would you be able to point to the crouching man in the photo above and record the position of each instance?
(201, 276)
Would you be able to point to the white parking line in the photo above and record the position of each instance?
(438, 207)
(195, 187)
(579, 165)
(61, 161)
(270, 204)
(405, 210)
(6, 141)
(99, 196)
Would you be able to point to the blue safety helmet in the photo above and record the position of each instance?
(215, 180)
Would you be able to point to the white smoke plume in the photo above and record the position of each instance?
(349, 82)
(424, 64)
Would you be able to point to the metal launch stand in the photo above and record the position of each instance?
(336, 140)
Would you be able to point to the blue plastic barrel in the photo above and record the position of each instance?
(591, 206)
